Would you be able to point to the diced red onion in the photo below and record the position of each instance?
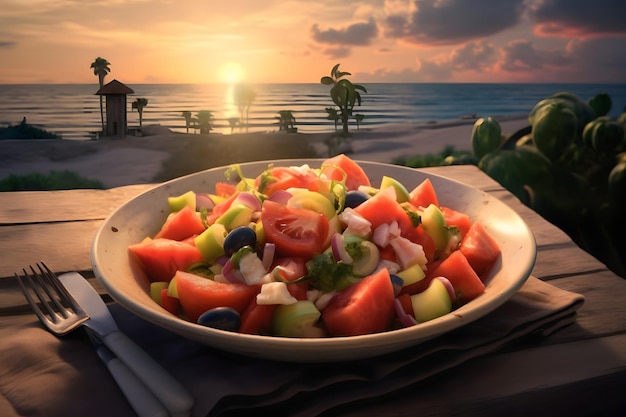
(248, 200)
(406, 320)
(231, 274)
(281, 197)
(204, 201)
(221, 260)
(335, 242)
(339, 250)
(269, 251)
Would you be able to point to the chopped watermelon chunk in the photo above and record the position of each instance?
(480, 249)
(461, 275)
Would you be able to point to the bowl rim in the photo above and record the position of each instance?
(381, 343)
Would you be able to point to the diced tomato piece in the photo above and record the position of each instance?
(420, 236)
(181, 225)
(457, 219)
(336, 167)
(169, 303)
(295, 231)
(257, 318)
(383, 208)
(480, 249)
(161, 258)
(225, 189)
(364, 307)
(198, 294)
(461, 275)
(292, 269)
(282, 178)
(423, 195)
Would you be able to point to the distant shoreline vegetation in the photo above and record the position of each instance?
(23, 130)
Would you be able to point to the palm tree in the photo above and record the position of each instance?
(205, 121)
(139, 104)
(359, 118)
(286, 120)
(101, 69)
(333, 115)
(233, 121)
(187, 116)
(344, 94)
(244, 95)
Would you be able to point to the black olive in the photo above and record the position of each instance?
(238, 238)
(355, 198)
(397, 283)
(223, 318)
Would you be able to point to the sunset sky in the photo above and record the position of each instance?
(275, 41)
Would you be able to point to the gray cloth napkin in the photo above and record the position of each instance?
(43, 375)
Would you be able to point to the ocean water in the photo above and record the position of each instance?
(73, 110)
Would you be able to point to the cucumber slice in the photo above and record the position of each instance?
(412, 274)
(431, 303)
(155, 290)
(434, 224)
(295, 320)
(368, 262)
(172, 290)
(179, 202)
(210, 243)
(236, 216)
(312, 201)
(402, 194)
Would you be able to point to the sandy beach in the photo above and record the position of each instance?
(137, 160)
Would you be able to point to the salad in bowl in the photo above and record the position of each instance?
(319, 254)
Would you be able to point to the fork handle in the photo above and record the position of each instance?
(168, 390)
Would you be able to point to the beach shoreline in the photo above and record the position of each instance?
(139, 159)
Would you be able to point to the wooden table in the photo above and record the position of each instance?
(579, 370)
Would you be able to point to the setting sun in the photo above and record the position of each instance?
(231, 73)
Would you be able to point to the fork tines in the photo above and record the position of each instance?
(50, 301)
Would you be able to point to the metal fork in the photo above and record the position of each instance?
(60, 313)
(56, 309)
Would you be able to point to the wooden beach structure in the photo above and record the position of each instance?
(115, 94)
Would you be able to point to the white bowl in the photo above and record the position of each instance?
(144, 214)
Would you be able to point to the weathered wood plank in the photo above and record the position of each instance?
(63, 246)
(575, 379)
(53, 206)
(545, 232)
(564, 260)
